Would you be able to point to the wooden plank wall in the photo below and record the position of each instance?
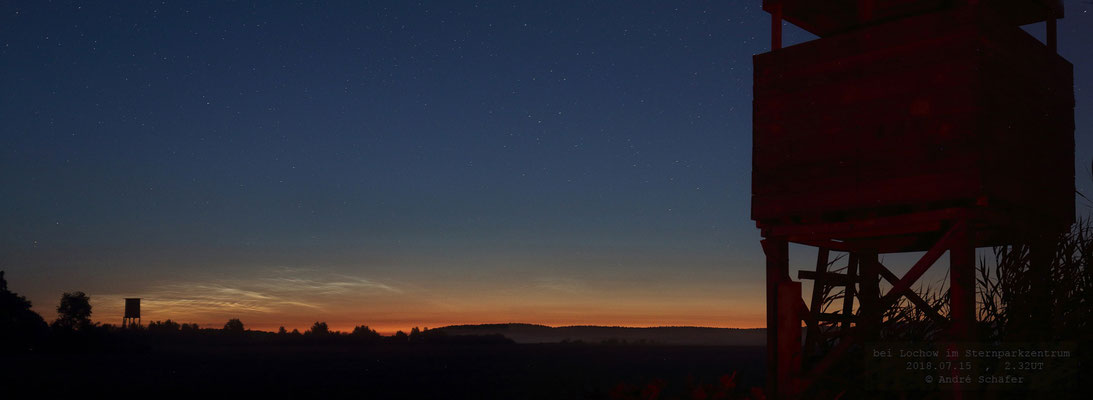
(942, 110)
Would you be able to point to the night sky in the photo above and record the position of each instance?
(395, 164)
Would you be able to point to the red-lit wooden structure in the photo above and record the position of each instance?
(909, 125)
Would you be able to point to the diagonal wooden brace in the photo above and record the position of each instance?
(914, 297)
(903, 286)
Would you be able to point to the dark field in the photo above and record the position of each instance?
(544, 371)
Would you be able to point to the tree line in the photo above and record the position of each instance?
(23, 330)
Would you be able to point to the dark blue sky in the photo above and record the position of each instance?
(540, 161)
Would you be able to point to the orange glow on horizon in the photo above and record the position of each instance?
(296, 298)
(388, 329)
(388, 325)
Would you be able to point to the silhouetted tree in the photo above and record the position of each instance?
(319, 329)
(74, 313)
(363, 332)
(189, 328)
(167, 326)
(234, 326)
(400, 337)
(282, 331)
(415, 335)
(20, 327)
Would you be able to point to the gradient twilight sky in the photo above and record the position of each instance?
(394, 164)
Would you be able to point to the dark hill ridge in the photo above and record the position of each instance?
(666, 335)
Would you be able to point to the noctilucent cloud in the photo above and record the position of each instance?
(395, 164)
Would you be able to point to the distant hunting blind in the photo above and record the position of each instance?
(132, 312)
(908, 125)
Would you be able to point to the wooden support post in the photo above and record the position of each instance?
(789, 339)
(819, 286)
(776, 27)
(962, 283)
(850, 293)
(777, 252)
(869, 284)
(961, 291)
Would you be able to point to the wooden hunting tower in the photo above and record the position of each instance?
(132, 312)
(908, 125)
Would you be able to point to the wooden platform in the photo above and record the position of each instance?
(910, 232)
